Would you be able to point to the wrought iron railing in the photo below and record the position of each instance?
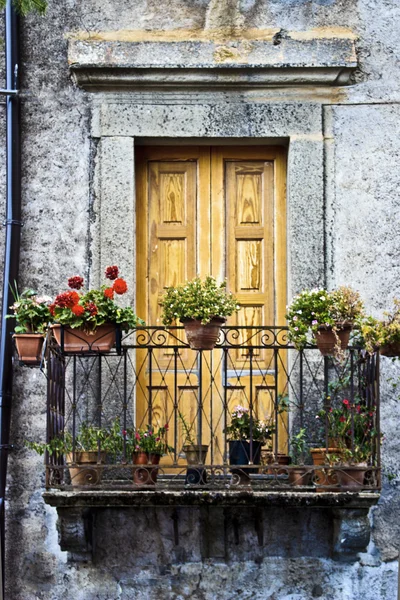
(153, 378)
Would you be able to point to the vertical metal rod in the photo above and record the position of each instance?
(251, 405)
(326, 400)
(301, 358)
(150, 386)
(11, 252)
(377, 414)
(125, 407)
(276, 403)
(200, 398)
(225, 415)
(176, 407)
(74, 408)
(352, 407)
(99, 403)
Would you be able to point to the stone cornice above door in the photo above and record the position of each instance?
(197, 60)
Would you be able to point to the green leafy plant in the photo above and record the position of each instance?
(352, 427)
(241, 426)
(376, 333)
(93, 308)
(313, 309)
(198, 299)
(87, 439)
(31, 312)
(188, 431)
(149, 440)
(298, 444)
(24, 7)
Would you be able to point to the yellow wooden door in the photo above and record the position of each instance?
(218, 211)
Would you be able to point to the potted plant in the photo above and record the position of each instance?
(89, 319)
(32, 316)
(148, 446)
(329, 316)
(195, 455)
(383, 334)
(84, 457)
(299, 473)
(246, 436)
(202, 307)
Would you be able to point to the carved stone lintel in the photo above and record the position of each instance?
(351, 533)
(75, 532)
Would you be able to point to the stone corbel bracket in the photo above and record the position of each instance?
(102, 63)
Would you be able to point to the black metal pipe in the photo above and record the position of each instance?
(12, 247)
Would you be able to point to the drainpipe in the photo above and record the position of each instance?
(12, 246)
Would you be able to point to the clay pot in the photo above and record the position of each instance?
(351, 477)
(299, 475)
(146, 474)
(195, 453)
(326, 340)
(203, 337)
(87, 470)
(77, 340)
(29, 347)
(326, 477)
(277, 459)
(391, 350)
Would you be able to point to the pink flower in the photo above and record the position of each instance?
(158, 439)
(124, 432)
(137, 436)
(346, 402)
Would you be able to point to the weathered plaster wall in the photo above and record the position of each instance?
(343, 157)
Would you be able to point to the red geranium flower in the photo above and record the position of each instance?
(51, 309)
(342, 419)
(92, 309)
(109, 293)
(75, 283)
(346, 402)
(67, 299)
(120, 286)
(78, 310)
(112, 272)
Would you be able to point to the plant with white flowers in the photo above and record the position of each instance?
(314, 309)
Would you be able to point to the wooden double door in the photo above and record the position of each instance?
(220, 211)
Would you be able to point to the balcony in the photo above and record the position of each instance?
(153, 378)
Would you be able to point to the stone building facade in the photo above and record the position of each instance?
(100, 80)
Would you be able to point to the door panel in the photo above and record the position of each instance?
(218, 211)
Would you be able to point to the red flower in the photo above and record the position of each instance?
(112, 272)
(51, 309)
(137, 436)
(358, 408)
(166, 426)
(342, 419)
(78, 310)
(75, 283)
(120, 286)
(124, 432)
(67, 299)
(346, 403)
(92, 309)
(109, 293)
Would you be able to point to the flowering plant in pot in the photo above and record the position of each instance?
(147, 445)
(383, 334)
(352, 426)
(328, 316)
(90, 318)
(246, 435)
(84, 454)
(32, 315)
(202, 307)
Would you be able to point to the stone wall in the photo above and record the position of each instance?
(77, 165)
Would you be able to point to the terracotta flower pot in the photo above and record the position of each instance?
(277, 459)
(146, 474)
(87, 470)
(299, 475)
(391, 350)
(326, 477)
(326, 340)
(77, 340)
(29, 347)
(203, 337)
(351, 477)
